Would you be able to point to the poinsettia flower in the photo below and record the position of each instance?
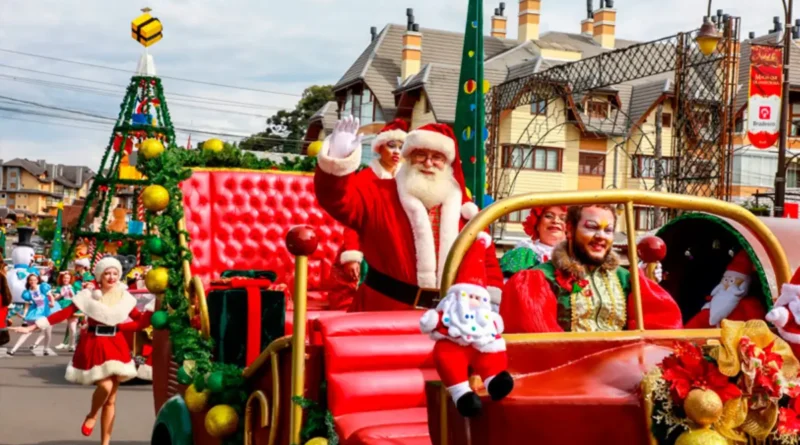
(688, 369)
(789, 419)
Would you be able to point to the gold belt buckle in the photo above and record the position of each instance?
(419, 295)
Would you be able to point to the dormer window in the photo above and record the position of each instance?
(361, 103)
(597, 109)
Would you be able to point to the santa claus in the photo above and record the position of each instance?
(467, 334)
(407, 225)
(729, 298)
(387, 145)
(786, 316)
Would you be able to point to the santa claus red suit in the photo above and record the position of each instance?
(344, 287)
(729, 298)
(468, 335)
(407, 225)
(786, 316)
(102, 350)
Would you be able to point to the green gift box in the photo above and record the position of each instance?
(245, 315)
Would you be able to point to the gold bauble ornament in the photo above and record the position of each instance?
(155, 198)
(157, 280)
(314, 149)
(151, 148)
(221, 421)
(213, 145)
(702, 436)
(196, 401)
(317, 441)
(703, 406)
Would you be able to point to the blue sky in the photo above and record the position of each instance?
(280, 46)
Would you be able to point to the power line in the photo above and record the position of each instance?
(110, 68)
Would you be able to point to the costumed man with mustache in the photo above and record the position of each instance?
(406, 225)
(729, 299)
(583, 288)
(346, 275)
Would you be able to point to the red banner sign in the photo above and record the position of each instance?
(764, 99)
(791, 210)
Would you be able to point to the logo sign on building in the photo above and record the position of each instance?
(764, 99)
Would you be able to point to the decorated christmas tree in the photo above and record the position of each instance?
(58, 238)
(470, 125)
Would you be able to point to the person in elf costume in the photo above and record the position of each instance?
(729, 299)
(545, 226)
(583, 288)
(82, 274)
(468, 334)
(64, 292)
(406, 225)
(785, 315)
(387, 145)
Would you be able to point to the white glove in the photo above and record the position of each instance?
(778, 316)
(429, 321)
(344, 140)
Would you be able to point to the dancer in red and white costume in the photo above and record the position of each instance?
(467, 334)
(102, 357)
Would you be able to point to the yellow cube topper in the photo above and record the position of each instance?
(146, 29)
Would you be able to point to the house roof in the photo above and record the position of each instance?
(327, 114)
(646, 92)
(581, 42)
(72, 176)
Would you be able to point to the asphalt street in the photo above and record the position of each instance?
(39, 407)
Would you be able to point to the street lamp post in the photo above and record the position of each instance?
(707, 40)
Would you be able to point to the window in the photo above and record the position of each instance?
(598, 109)
(532, 158)
(666, 120)
(755, 169)
(645, 218)
(794, 120)
(539, 107)
(518, 216)
(367, 104)
(592, 164)
(645, 166)
(793, 176)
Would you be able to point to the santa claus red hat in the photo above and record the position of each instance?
(440, 138)
(396, 130)
(471, 277)
(740, 266)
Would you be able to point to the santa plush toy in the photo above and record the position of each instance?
(786, 316)
(467, 334)
(729, 299)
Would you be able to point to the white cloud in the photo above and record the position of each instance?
(263, 44)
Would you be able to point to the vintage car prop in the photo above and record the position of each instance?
(380, 384)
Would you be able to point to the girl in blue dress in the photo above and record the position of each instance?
(40, 304)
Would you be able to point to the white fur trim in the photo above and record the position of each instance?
(429, 321)
(104, 264)
(471, 289)
(430, 140)
(83, 262)
(484, 238)
(97, 294)
(386, 136)
(778, 316)
(794, 308)
(145, 372)
(428, 274)
(459, 390)
(123, 371)
(789, 293)
(495, 293)
(498, 345)
(380, 172)
(42, 323)
(789, 337)
(97, 310)
(437, 336)
(348, 256)
(469, 210)
(336, 166)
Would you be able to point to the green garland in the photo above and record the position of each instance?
(232, 157)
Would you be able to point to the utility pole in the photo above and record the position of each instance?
(657, 152)
(780, 175)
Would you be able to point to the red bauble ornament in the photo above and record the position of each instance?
(301, 241)
(651, 249)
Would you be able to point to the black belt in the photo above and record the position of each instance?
(400, 291)
(102, 331)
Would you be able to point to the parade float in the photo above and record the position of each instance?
(238, 358)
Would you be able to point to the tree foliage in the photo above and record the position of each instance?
(47, 229)
(287, 128)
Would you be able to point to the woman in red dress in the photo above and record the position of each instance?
(103, 357)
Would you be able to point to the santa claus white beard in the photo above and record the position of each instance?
(723, 302)
(431, 189)
(466, 324)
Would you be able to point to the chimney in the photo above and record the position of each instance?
(777, 22)
(752, 35)
(499, 27)
(529, 20)
(605, 24)
(79, 177)
(412, 48)
(374, 33)
(796, 30)
(587, 25)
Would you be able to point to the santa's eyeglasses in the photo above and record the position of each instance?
(421, 156)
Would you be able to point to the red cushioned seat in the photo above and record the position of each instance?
(376, 365)
(312, 330)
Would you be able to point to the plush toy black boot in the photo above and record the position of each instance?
(469, 405)
(500, 386)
